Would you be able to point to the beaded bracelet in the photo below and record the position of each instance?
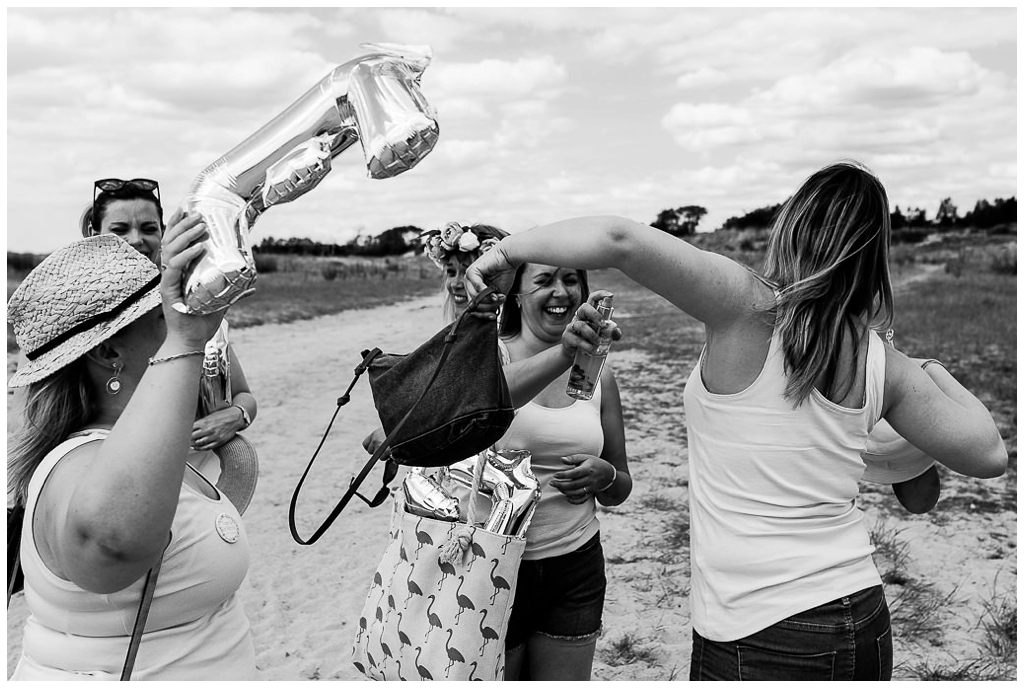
(154, 361)
(615, 475)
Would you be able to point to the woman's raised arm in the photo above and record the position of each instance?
(708, 286)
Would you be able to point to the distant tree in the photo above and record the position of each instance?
(680, 221)
(946, 215)
(987, 215)
(897, 219)
(761, 218)
(917, 217)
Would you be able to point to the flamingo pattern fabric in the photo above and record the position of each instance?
(427, 617)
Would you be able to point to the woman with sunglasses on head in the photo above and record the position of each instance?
(111, 372)
(131, 209)
(792, 378)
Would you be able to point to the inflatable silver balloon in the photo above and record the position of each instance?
(508, 486)
(374, 99)
(215, 383)
(424, 497)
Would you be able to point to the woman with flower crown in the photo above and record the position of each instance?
(452, 249)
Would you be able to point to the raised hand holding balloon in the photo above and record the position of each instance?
(374, 99)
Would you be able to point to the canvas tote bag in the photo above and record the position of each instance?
(439, 604)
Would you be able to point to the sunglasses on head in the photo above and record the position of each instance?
(115, 185)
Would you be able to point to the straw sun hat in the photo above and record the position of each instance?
(76, 299)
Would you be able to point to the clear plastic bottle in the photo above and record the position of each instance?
(586, 370)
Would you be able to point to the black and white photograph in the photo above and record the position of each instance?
(512, 343)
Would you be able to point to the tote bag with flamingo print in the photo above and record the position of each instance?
(429, 616)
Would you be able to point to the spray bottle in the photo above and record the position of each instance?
(586, 370)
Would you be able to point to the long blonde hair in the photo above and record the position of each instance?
(828, 255)
(54, 408)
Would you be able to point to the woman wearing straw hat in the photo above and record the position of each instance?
(100, 465)
(131, 209)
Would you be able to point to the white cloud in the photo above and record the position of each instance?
(528, 76)
(701, 77)
(704, 126)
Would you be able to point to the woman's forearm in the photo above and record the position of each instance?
(528, 378)
(588, 243)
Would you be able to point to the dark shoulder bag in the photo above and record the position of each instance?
(442, 403)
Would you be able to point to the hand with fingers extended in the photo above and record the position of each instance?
(586, 476)
(181, 247)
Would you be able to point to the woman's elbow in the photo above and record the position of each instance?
(995, 461)
(989, 459)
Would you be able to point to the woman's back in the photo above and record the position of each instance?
(775, 527)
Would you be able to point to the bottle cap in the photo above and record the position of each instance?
(604, 307)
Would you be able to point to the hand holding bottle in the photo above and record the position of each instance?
(587, 366)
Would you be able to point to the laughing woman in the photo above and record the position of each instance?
(578, 451)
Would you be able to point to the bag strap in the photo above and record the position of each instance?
(140, 620)
(381, 454)
(12, 576)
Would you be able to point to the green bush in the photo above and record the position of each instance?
(330, 272)
(265, 263)
(1005, 262)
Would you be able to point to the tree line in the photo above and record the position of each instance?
(909, 224)
(683, 221)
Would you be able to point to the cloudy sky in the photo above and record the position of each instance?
(543, 114)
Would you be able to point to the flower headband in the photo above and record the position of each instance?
(439, 244)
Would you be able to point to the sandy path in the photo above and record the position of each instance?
(304, 600)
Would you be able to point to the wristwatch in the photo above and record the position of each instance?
(246, 420)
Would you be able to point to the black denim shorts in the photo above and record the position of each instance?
(561, 597)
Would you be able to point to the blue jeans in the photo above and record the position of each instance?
(848, 639)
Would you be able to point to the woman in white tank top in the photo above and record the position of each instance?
(791, 380)
(112, 373)
(578, 454)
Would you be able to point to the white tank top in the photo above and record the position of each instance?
(775, 528)
(558, 527)
(197, 628)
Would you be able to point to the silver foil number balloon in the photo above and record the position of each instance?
(374, 99)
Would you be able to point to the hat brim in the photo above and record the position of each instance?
(30, 371)
(239, 470)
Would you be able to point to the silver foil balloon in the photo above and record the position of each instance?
(374, 99)
(215, 383)
(424, 497)
(508, 484)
